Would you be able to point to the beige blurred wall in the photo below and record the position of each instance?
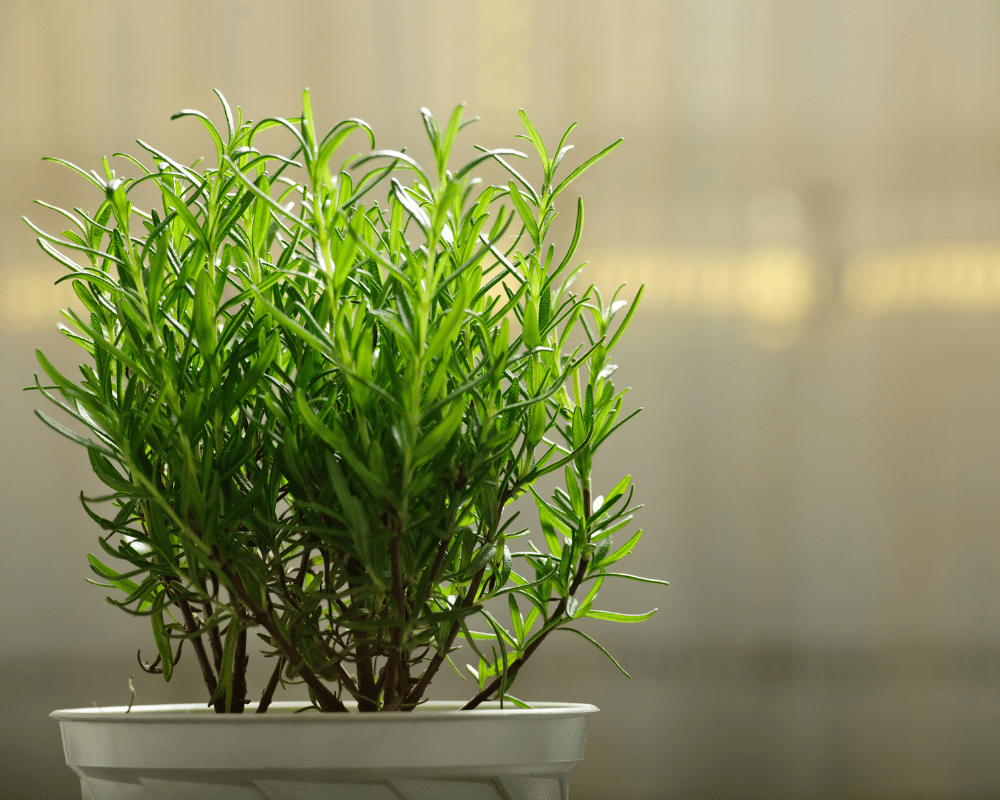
(810, 191)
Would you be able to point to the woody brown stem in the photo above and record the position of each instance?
(199, 648)
(367, 688)
(367, 693)
(272, 684)
(326, 700)
(397, 684)
(240, 661)
(414, 695)
(417, 692)
(581, 573)
(213, 634)
(515, 667)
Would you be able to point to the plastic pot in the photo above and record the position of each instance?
(437, 752)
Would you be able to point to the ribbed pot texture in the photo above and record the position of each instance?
(187, 752)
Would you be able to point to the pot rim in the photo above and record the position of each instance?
(434, 710)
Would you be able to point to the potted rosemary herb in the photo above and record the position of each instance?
(313, 393)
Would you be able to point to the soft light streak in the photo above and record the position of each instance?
(776, 285)
(958, 278)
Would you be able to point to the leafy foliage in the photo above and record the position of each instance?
(312, 407)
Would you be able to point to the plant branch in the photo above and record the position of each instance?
(324, 697)
(514, 668)
(240, 662)
(191, 627)
(214, 639)
(397, 686)
(272, 684)
(367, 691)
(435, 664)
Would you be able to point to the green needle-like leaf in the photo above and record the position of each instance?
(616, 617)
(162, 644)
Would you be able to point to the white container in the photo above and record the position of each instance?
(437, 752)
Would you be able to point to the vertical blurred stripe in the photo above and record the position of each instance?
(502, 58)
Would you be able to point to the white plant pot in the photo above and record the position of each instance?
(188, 752)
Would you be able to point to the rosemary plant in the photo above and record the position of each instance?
(313, 402)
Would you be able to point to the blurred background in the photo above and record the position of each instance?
(810, 191)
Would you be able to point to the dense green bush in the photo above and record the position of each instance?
(312, 412)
